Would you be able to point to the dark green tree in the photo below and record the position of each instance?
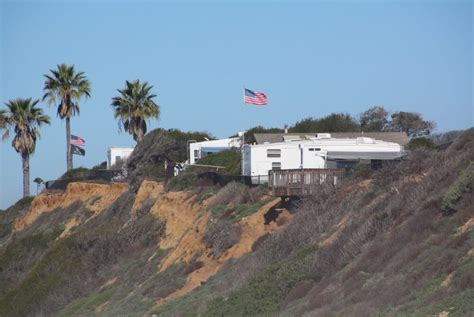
(335, 122)
(134, 106)
(374, 119)
(412, 123)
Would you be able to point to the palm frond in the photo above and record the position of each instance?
(67, 86)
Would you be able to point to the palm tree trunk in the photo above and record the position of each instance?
(68, 144)
(26, 175)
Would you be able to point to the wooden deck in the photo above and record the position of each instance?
(304, 182)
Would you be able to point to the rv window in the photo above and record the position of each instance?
(311, 149)
(317, 149)
(196, 154)
(273, 153)
(276, 166)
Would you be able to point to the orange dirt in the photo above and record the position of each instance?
(447, 281)
(71, 224)
(466, 226)
(190, 243)
(96, 196)
(147, 190)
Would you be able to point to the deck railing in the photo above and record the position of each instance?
(302, 182)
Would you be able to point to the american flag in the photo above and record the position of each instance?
(255, 98)
(77, 140)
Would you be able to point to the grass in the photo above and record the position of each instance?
(19, 257)
(463, 184)
(76, 172)
(239, 211)
(264, 293)
(86, 306)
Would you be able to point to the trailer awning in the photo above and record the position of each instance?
(212, 149)
(342, 155)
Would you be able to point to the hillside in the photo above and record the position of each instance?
(394, 242)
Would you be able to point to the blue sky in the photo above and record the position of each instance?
(310, 58)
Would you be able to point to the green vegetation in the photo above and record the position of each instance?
(335, 122)
(86, 306)
(24, 119)
(463, 184)
(230, 159)
(420, 143)
(239, 211)
(77, 172)
(264, 293)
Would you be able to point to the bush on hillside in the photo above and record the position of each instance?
(187, 179)
(221, 236)
(230, 159)
(234, 193)
(464, 184)
(420, 143)
(76, 172)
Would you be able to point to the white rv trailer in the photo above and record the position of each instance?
(319, 152)
(198, 150)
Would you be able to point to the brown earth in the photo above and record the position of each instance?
(96, 196)
(186, 225)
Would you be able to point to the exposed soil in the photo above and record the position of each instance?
(186, 225)
(96, 197)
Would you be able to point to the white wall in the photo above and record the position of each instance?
(114, 153)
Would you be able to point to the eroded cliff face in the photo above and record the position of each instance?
(181, 244)
(97, 197)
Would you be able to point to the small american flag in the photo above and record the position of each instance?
(77, 140)
(255, 98)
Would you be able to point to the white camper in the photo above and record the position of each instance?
(198, 150)
(117, 155)
(319, 152)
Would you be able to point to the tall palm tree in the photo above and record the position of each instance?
(67, 87)
(24, 119)
(134, 106)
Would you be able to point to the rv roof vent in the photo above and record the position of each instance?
(323, 136)
(290, 138)
(365, 140)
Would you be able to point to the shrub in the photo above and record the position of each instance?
(230, 159)
(76, 172)
(464, 183)
(233, 192)
(221, 236)
(185, 180)
(418, 143)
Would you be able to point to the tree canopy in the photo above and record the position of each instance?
(374, 119)
(134, 106)
(412, 123)
(335, 122)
